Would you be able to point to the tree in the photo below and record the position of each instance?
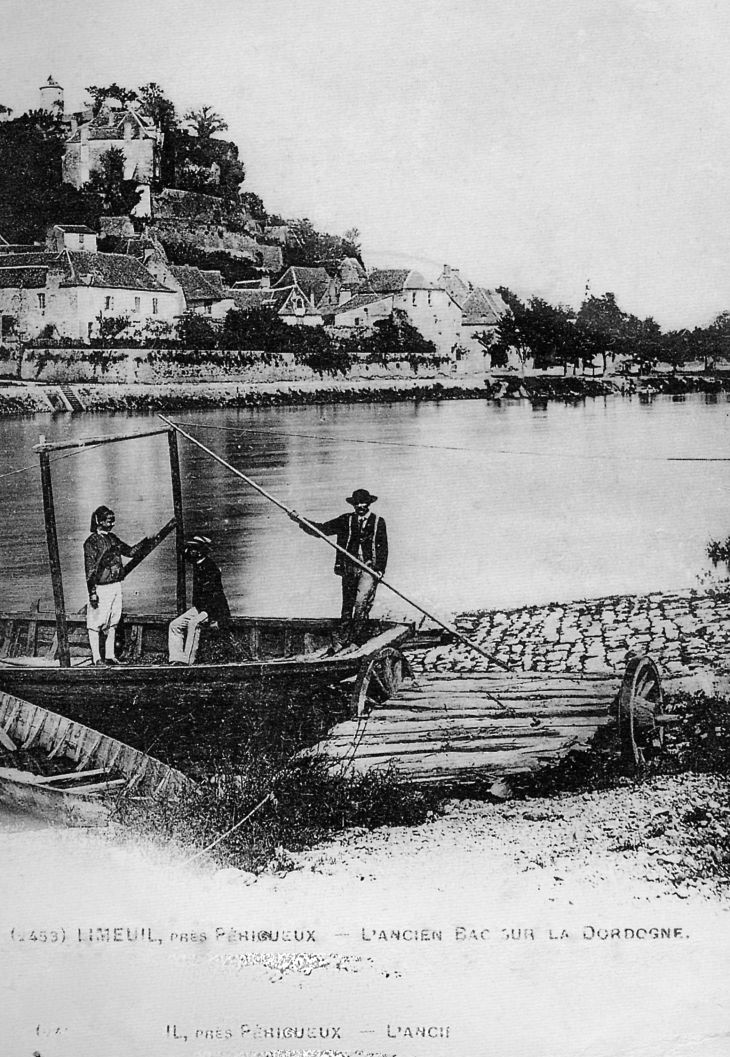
(205, 122)
(155, 105)
(253, 205)
(112, 91)
(32, 192)
(118, 196)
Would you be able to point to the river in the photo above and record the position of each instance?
(487, 505)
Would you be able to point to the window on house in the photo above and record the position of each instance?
(81, 242)
(154, 306)
(138, 304)
(413, 297)
(429, 297)
(208, 308)
(90, 330)
(42, 302)
(108, 304)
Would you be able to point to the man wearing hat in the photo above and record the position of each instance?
(209, 604)
(362, 534)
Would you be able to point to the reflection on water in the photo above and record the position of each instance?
(486, 505)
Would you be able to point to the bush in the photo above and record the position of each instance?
(304, 804)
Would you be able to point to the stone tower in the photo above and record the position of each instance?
(52, 97)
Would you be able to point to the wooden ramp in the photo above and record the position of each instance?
(463, 728)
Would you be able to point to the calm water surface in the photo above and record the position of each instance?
(486, 505)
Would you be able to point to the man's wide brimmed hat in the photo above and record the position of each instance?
(198, 543)
(361, 495)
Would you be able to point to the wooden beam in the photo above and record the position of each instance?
(94, 441)
(64, 654)
(177, 505)
(151, 544)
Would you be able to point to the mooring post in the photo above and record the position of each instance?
(54, 558)
(177, 505)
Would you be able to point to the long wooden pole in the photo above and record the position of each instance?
(351, 557)
(177, 504)
(54, 558)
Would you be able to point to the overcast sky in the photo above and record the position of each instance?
(538, 144)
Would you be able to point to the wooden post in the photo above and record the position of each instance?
(179, 523)
(64, 654)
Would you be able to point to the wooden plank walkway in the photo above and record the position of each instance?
(465, 728)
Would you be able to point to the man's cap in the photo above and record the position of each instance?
(361, 495)
(198, 543)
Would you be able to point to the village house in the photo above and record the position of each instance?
(429, 308)
(316, 283)
(63, 292)
(123, 127)
(289, 302)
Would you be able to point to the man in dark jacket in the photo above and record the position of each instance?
(209, 604)
(362, 534)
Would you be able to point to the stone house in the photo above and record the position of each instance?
(429, 308)
(71, 237)
(64, 293)
(118, 126)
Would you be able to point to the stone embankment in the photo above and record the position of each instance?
(32, 397)
(683, 632)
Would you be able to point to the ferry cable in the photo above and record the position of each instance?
(240, 430)
(33, 465)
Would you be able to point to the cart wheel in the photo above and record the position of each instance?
(379, 678)
(639, 701)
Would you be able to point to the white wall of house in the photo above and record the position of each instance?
(468, 337)
(81, 159)
(435, 314)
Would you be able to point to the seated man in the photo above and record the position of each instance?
(209, 604)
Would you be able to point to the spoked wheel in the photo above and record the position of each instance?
(378, 679)
(639, 703)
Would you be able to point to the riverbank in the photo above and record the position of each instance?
(27, 398)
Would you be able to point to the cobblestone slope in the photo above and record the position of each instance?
(683, 632)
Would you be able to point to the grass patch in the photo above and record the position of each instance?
(308, 803)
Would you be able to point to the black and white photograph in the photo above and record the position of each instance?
(365, 537)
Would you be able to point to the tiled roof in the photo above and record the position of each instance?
(26, 278)
(215, 279)
(109, 124)
(276, 297)
(194, 285)
(395, 280)
(360, 300)
(459, 288)
(114, 270)
(315, 282)
(483, 307)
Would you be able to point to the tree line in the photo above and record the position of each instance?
(599, 331)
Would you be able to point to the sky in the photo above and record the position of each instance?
(544, 145)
